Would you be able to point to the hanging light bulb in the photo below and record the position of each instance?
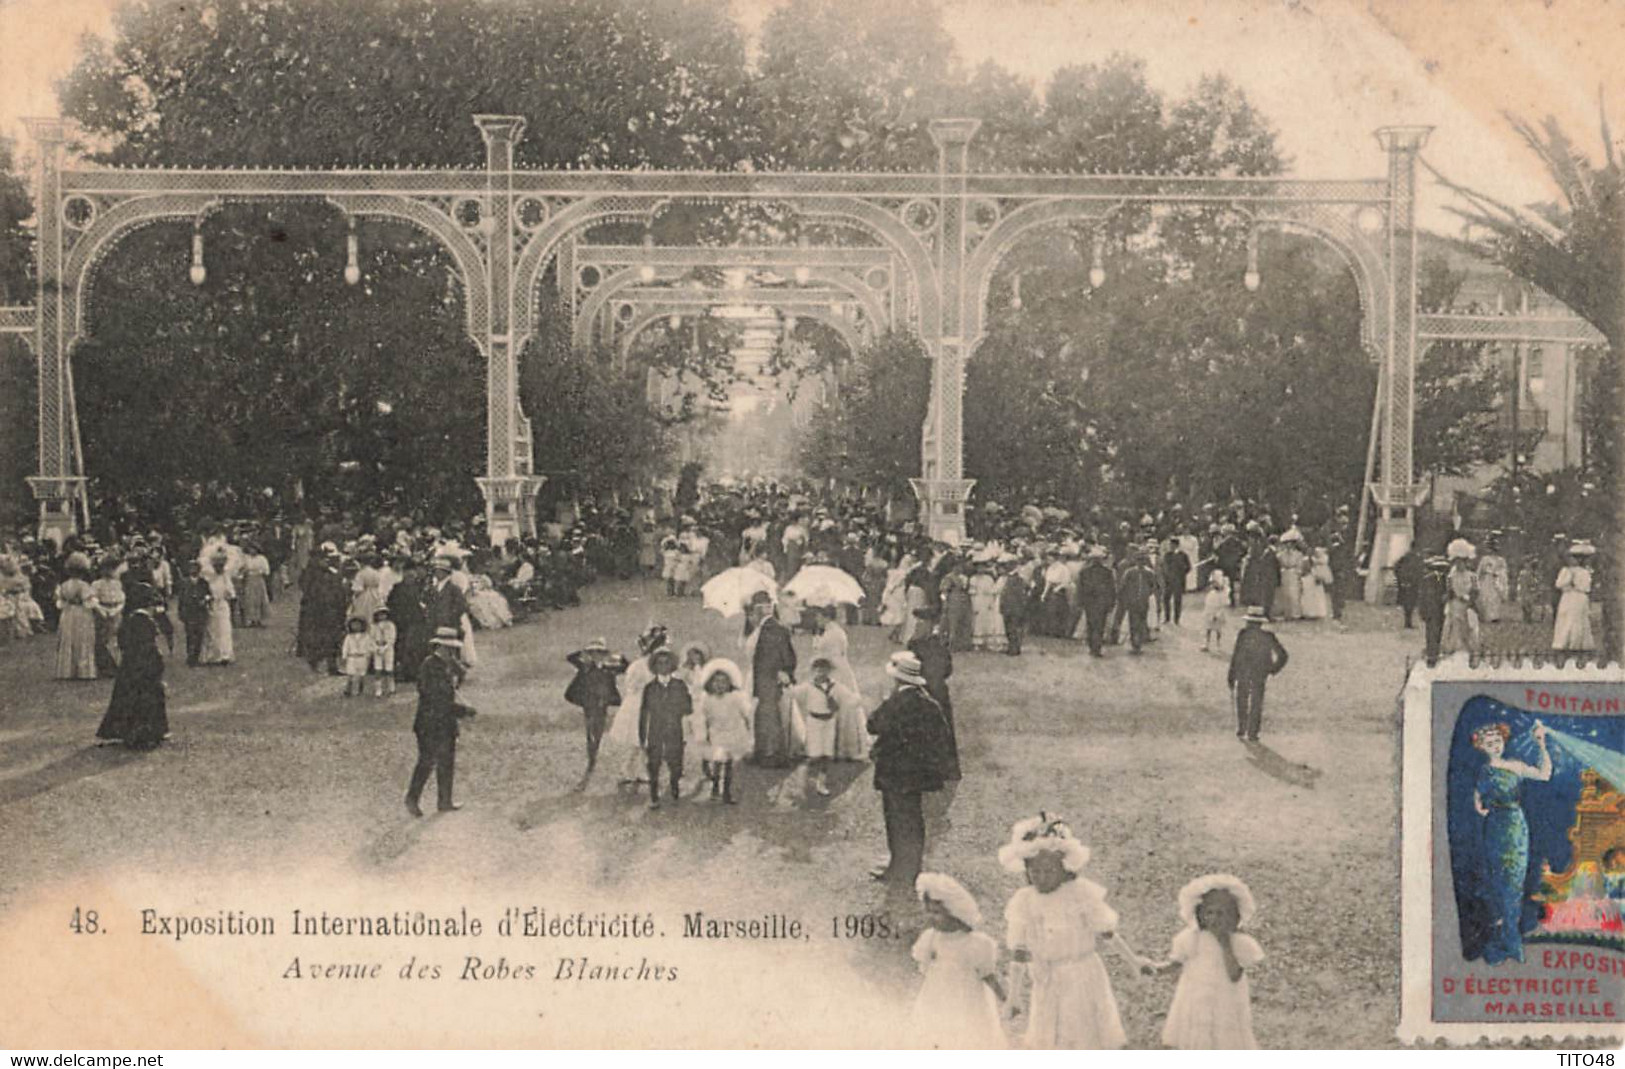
(674, 322)
(352, 269)
(802, 275)
(1015, 291)
(198, 272)
(1251, 278)
(1097, 269)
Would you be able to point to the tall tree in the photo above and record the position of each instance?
(273, 336)
(1573, 248)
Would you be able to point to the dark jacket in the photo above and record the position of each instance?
(1431, 595)
(445, 607)
(1260, 575)
(1176, 565)
(1097, 589)
(911, 749)
(660, 717)
(194, 601)
(438, 708)
(1258, 654)
(1408, 572)
(1135, 587)
(774, 654)
(594, 684)
(1013, 597)
(936, 663)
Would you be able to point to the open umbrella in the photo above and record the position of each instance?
(820, 584)
(728, 592)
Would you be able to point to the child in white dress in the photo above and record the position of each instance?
(356, 656)
(1056, 926)
(382, 634)
(1214, 604)
(958, 1004)
(724, 711)
(1212, 1007)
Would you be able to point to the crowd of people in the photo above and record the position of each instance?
(1458, 591)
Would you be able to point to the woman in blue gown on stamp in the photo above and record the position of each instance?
(1496, 796)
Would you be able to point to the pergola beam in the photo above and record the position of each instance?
(1529, 330)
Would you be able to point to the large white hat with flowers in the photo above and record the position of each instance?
(1045, 833)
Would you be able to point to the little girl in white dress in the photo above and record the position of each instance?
(1212, 1007)
(1056, 926)
(958, 1004)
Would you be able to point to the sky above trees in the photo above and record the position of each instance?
(1327, 73)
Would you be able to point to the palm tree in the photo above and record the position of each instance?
(1573, 249)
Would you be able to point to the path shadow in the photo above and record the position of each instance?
(1277, 767)
(80, 764)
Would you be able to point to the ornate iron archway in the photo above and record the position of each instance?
(936, 239)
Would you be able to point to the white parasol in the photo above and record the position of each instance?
(728, 592)
(820, 584)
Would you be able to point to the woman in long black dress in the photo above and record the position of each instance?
(136, 715)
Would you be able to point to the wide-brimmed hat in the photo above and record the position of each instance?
(1045, 833)
(1256, 614)
(905, 668)
(1191, 895)
(735, 675)
(662, 655)
(1460, 549)
(447, 636)
(951, 895)
(1582, 549)
(598, 644)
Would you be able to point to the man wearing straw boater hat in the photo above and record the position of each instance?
(436, 722)
(911, 756)
(1257, 656)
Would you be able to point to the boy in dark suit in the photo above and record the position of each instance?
(660, 724)
(594, 690)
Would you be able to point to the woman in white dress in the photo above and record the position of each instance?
(217, 639)
(1289, 597)
(1317, 604)
(1493, 588)
(894, 601)
(487, 605)
(830, 642)
(988, 629)
(256, 574)
(1571, 628)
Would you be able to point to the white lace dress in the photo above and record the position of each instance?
(1072, 1005)
(1210, 1011)
(955, 1009)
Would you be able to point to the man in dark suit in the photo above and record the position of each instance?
(1136, 585)
(910, 755)
(1257, 656)
(445, 603)
(662, 707)
(1431, 594)
(436, 722)
(1097, 591)
(1408, 573)
(194, 606)
(773, 668)
(930, 647)
(1013, 607)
